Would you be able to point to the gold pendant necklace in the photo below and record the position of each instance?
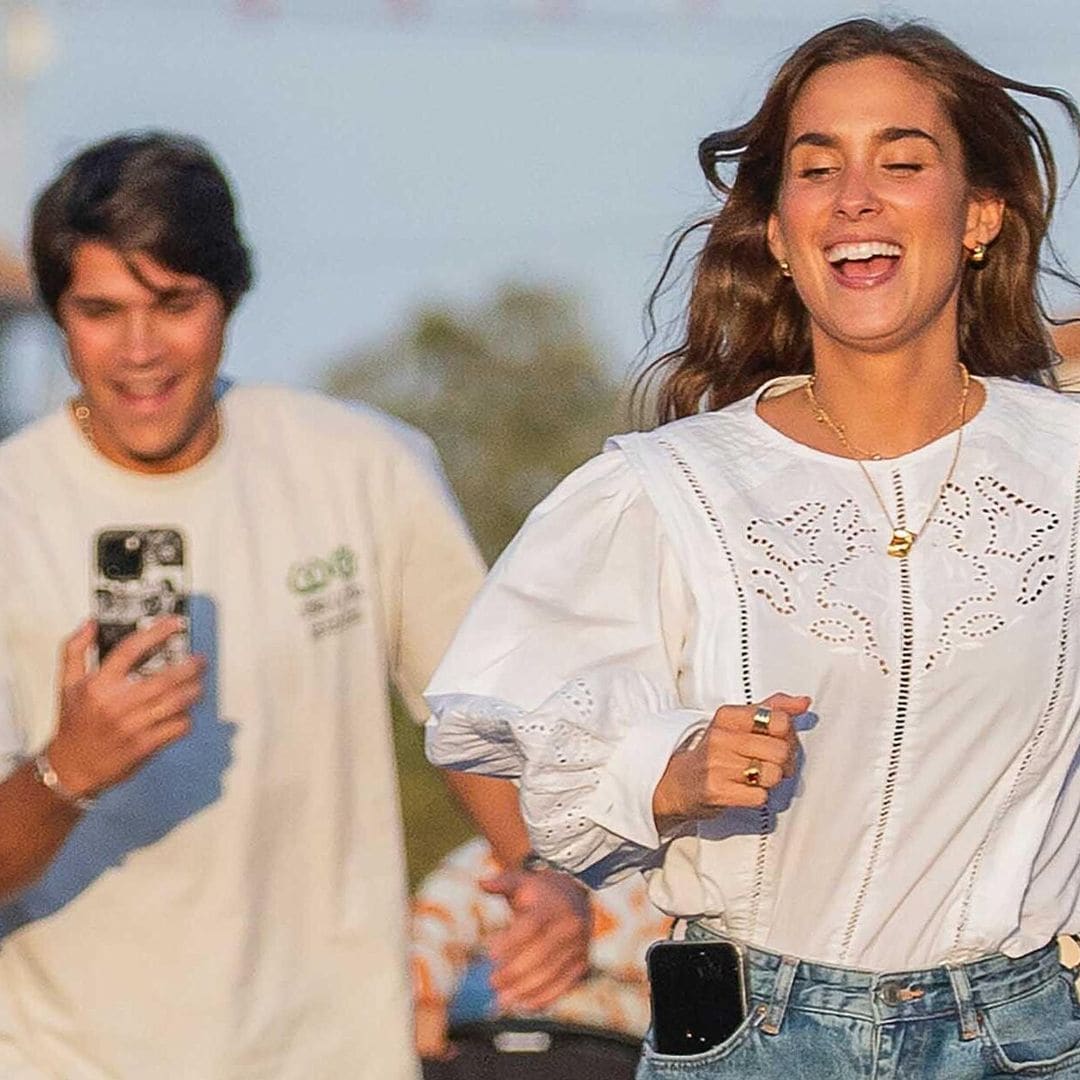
(901, 542)
(902, 539)
(81, 411)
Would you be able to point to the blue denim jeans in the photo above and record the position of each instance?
(995, 1017)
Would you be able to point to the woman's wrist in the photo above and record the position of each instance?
(668, 808)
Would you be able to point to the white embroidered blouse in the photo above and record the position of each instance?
(934, 816)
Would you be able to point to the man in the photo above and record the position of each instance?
(201, 864)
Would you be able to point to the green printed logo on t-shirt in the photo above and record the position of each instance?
(313, 575)
(330, 597)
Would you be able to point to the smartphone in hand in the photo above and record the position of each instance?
(698, 991)
(139, 575)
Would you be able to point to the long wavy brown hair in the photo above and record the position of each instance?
(745, 323)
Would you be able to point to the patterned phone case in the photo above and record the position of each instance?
(139, 574)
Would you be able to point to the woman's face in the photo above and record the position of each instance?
(875, 215)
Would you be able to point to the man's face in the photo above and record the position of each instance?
(145, 343)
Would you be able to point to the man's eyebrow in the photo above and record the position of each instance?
(90, 298)
(175, 292)
(886, 135)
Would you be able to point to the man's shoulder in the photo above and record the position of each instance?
(29, 442)
(318, 420)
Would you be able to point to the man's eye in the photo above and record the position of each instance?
(815, 172)
(177, 305)
(903, 167)
(96, 311)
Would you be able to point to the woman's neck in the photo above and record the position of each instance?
(884, 404)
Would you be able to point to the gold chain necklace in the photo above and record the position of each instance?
(81, 411)
(903, 539)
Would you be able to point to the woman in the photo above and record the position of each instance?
(878, 521)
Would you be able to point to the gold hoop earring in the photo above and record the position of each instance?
(785, 268)
(978, 255)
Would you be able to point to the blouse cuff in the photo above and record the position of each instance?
(622, 802)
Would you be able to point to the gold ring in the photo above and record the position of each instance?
(762, 719)
(752, 773)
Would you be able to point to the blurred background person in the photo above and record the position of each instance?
(456, 918)
(206, 856)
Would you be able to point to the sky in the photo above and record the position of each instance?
(383, 161)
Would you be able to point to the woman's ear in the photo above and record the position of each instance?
(985, 215)
(772, 234)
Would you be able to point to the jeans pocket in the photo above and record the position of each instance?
(1037, 1034)
(705, 1064)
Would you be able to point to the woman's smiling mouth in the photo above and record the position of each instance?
(861, 264)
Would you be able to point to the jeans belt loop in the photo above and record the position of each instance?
(774, 1014)
(965, 1004)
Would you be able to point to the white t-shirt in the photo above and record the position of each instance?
(235, 909)
(935, 816)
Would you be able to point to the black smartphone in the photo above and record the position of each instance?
(139, 575)
(698, 993)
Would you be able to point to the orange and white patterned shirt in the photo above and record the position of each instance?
(452, 916)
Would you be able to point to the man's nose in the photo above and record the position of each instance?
(142, 343)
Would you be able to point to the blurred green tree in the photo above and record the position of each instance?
(515, 394)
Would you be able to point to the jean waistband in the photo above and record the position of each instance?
(776, 983)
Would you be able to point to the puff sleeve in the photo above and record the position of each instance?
(565, 673)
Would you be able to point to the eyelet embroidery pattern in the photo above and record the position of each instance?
(563, 744)
(556, 739)
(896, 743)
(999, 537)
(798, 541)
(765, 815)
(579, 696)
(988, 528)
(1002, 505)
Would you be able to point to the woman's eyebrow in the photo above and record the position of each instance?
(885, 135)
(895, 134)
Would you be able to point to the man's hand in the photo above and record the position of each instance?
(110, 721)
(545, 950)
(431, 1025)
(732, 764)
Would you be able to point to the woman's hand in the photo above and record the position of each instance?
(733, 763)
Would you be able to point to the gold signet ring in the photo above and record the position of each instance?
(752, 773)
(762, 719)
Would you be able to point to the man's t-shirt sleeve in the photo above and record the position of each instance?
(12, 738)
(431, 569)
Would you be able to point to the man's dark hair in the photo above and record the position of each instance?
(152, 193)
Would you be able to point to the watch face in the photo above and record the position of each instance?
(533, 862)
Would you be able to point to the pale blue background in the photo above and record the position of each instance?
(383, 161)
